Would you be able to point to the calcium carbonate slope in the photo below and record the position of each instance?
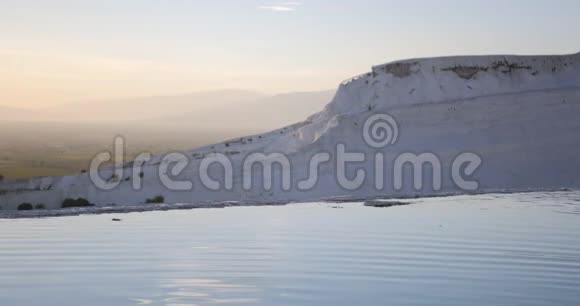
(518, 113)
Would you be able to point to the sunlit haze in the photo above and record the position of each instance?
(57, 52)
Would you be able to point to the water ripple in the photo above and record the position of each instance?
(512, 249)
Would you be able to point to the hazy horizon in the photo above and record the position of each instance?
(63, 52)
(180, 74)
(61, 140)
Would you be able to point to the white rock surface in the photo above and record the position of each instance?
(520, 114)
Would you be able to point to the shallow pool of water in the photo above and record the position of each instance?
(519, 249)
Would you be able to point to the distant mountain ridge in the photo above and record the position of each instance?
(265, 110)
(8, 113)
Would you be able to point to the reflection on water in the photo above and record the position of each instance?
(519, 249)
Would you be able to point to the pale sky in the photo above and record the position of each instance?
(54, 52)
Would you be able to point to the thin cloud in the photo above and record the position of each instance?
(277, 8)
(282, 7)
